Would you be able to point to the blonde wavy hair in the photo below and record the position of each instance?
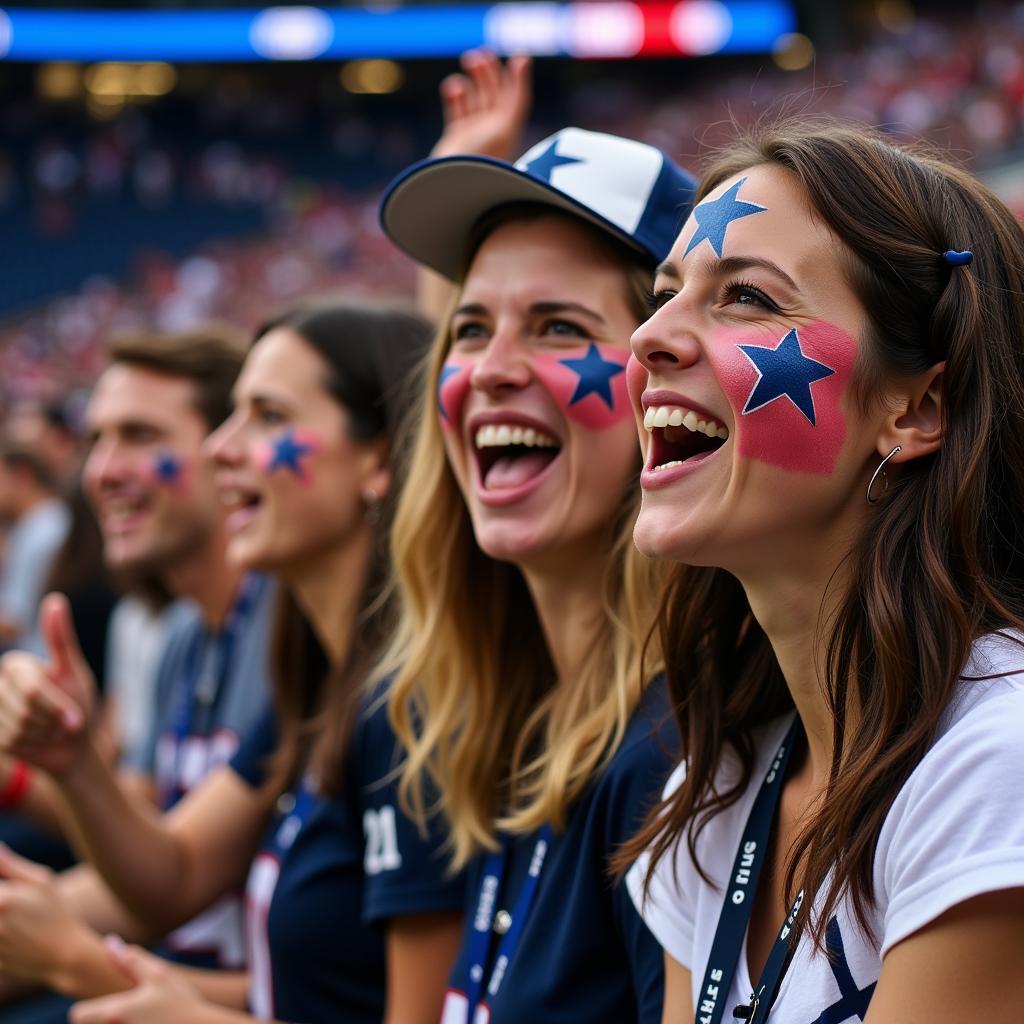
(490, 740)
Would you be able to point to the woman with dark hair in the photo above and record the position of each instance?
(350, 914)
(843, 640)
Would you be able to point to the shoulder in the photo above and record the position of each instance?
(955, 829)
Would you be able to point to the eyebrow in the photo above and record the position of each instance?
(537, 309)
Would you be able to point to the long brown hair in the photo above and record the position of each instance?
(370, 353)
(942, 560)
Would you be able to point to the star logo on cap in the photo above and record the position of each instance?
(544, 163)
(713, 216)
(288, 451)
(784, 372)
(595, 375)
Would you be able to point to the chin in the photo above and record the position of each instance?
(506, 543)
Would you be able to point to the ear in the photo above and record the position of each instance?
(916, 423)
(376, 468)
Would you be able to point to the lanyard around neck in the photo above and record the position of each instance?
(483, 919)
(196, 702)
(739, 903)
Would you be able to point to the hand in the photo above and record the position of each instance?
(40, 938)
(44, 706)
(486, 107)
(159, 996)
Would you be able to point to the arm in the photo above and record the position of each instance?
(968, 964)
(678, 995)
(421, 950)
(484, 110)
(197, 852)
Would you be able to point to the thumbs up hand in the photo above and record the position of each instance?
(45, 706)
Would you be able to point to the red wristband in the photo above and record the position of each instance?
(18, 781)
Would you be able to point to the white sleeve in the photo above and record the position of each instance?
(956, 830)
(665, 907)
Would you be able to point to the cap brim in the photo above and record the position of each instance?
(430, 210)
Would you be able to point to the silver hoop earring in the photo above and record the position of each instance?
(885, 479)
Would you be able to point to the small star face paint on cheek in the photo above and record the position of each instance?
(787, 394)
(589, 384)
(169, 470)
(289, 453)
(452, 389)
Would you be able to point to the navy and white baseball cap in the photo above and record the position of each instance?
(627, 188)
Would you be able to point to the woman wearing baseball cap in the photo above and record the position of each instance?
(518, 659)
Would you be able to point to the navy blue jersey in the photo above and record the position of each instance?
(332, 870)
(585, 956)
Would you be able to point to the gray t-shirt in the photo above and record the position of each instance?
(32, 545)
(228, 682)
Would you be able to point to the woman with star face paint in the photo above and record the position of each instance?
(524, 604)
(831, 393)
(350, 913)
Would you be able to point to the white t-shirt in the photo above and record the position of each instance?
(955, 831)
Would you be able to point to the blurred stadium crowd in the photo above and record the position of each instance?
(225, 206)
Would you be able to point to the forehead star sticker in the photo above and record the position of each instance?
(784, 372)
(595, 375)
(713, 216)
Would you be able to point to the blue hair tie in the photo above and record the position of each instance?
(958, 259)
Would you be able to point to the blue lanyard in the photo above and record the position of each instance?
(191, 698)
(291, 821)
(483, 919)
(739, 901)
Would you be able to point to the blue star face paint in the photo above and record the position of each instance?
(590, 384)
(452, 388)
(714, 216)
(168, 469)
(787, 394)
(290, 453)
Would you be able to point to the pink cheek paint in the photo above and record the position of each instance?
(588, 383)
(452, 389)
(787, 393)
(289, 453)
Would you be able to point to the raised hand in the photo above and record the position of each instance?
(485, 107)
(46, 705)
(159, 996)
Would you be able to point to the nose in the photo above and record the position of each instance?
(502, 366)
(224, 446)
(104, 466)
(666, 341)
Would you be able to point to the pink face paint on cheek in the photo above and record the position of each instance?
(787, 393)
(289, 453)
(589, 383)
(452, 389)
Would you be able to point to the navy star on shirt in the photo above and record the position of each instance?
(713, 216)
(168, 468)
(784, 372)
(288, 450)
(542, 165)
(595, 375)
